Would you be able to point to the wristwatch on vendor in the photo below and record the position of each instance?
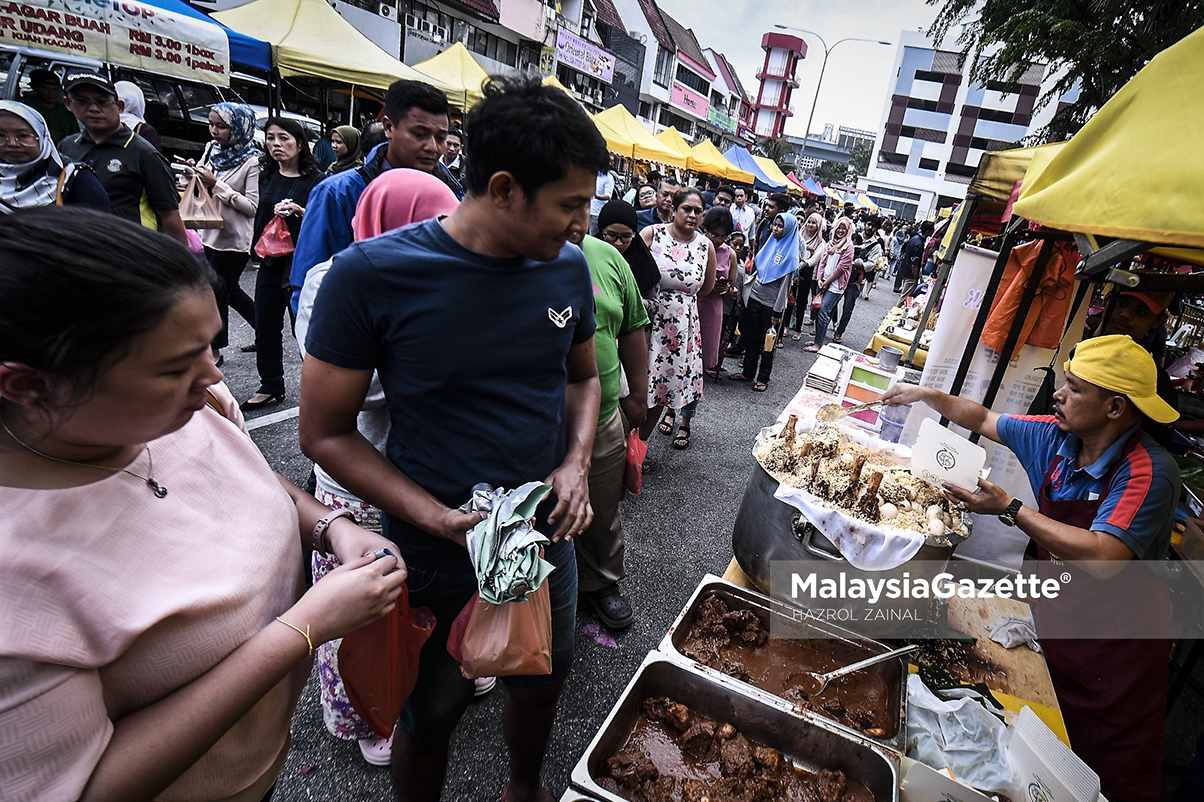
(1008, 516)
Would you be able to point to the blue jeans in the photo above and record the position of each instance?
(850, 300)
(831, 298)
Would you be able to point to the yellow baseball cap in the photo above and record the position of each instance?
(1118, 364)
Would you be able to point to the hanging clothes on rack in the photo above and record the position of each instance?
(1046, 315)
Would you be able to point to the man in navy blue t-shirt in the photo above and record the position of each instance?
(481, 326)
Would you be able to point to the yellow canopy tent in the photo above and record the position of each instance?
(627, 136)
(999, 170)
(672, 139)
(707, 151)
(774, 174)
(308, 37)
(552, 80)
(457, 68)
(1133, 172)
(867, 202)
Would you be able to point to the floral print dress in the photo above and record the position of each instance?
(675, 353)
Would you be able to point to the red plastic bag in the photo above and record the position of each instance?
(379, 663)
(504, 640)
(275, 240)
(633, 474)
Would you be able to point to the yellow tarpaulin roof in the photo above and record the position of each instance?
(1134, 170)
(999, 170)
(714, 159)
(309, 37)
(672, 139)
(552, 80)
(774, 174)
(627, 136)
(457, 68)
(869, 203)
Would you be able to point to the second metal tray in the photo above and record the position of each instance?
(849, 646)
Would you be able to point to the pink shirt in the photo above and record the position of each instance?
(113, 598)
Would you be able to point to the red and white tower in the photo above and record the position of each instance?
(782, 55)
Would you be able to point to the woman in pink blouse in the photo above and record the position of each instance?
(718, 226)
(155, 637)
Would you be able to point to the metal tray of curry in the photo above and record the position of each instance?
(724, 631)
(640, 756)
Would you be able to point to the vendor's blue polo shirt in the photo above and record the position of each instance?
(1138, 504)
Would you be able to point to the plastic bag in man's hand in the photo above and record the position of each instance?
(633, 473)
(504, 640)
(379, 663)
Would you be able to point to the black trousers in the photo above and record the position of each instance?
(804, 288)
(271, 300)
(755, 321)
(229, 266)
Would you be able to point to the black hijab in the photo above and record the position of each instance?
(639, 258)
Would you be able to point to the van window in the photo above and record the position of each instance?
(200, 99)
(159, 91)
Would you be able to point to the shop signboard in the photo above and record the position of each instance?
(547, 61)
(585, 57)
(716, 115)
(122, 32)
(685, 98)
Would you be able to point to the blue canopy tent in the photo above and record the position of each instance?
(245, 51)
(813, 187)
(744, 160)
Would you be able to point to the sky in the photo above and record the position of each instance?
(858, 76)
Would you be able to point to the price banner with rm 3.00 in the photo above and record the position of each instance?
(122, 32)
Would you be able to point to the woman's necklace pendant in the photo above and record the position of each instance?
(159, 490)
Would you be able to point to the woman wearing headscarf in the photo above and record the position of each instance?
(617, 224)
(229, 168)
(717, 224)
(776, 262)
(397, 198)
(813, 242)
(346, 143)
(134, 113)
(32, 173)
(833, 276)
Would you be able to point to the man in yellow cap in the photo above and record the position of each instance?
(1106, 493)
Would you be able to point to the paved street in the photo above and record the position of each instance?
(678, 530)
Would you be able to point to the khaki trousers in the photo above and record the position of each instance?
(600, 548)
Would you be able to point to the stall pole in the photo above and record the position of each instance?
(984, 309)
(351, 107)
(942, 278)
(276, 94)
(1026, 301)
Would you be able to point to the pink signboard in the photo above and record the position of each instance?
(584, 56)
(685, 98)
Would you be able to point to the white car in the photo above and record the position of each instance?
(261, 120)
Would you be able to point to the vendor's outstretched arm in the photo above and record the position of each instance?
(330, 403)
(965, 413)
(1061, 540)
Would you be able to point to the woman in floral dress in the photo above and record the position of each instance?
(686, 260)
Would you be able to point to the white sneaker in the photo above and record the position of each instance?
(377, 751)
(484, 685)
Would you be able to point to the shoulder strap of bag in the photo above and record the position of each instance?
(58, 190)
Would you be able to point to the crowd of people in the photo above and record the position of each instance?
(607, 308)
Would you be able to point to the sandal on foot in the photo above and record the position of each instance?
(760, 387)
(665, 427)
(646, 467)
(798, 335)
(739, 377)
(811, 347)
(682, 440)
(377, 751)
(836, 340)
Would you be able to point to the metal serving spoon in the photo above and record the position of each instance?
(829, 413)
(820, 681)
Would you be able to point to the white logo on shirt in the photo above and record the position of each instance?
(114, 165)
(561, 319)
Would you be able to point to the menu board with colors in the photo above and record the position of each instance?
(122, 32)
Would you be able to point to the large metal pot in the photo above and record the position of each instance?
(768, 530)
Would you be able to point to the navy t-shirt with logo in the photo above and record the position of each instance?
(472, 354)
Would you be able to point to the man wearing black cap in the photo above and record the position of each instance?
(1106, 506)
(47, 99)
(138, 179)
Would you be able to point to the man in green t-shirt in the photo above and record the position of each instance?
(47, 99)
(618, 341)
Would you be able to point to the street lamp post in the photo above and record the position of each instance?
(822, 68)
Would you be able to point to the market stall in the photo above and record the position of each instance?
(309, 38)
(455, 67)
(742, 158)
(627, 136)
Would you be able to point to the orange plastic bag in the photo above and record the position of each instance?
(276, 240)
(379, 663)
(504, 640)
(633, 474)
